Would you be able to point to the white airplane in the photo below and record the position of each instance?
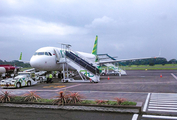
(61, 59)
(49, 59)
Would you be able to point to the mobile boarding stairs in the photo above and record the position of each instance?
(83, 67)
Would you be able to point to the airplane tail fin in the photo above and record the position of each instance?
(20, 56)
(94, 51)
(20, 59)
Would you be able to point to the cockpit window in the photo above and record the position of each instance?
(50, 54)
(40, 53)
(43, 53)
(35, 53)
(46, 53)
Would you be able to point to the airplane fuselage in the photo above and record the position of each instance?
(49, 59)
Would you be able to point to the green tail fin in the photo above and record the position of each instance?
(94, 51)
(20, 56)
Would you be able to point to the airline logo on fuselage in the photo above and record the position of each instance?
(86, 73)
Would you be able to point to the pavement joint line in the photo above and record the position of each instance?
(156, 116)
(174, 76)
(172, 108)
(162, 101)
(161, 94)
(111, 92)
(157, 103)
(162, 105)
(157, 110)
(135, 117)
(146, 103)
(127, 83)
(165, 96)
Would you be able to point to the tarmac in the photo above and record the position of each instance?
(136, 86)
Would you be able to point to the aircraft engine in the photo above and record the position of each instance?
(2, 70)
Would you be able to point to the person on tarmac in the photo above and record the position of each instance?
(50, 78)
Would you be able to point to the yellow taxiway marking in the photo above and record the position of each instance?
(54, 86)
(56, 83)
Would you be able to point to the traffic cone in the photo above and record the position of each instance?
(108, 78)
(161, 75)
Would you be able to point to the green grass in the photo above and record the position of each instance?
(90, 102)
(128, 103)
(112, 103)
(84, 102)
(22, 69)
(45, 100)
(155, 67)
(22, 99)
(17, 99)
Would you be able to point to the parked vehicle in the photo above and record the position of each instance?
(23, 79)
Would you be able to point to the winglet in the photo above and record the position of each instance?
(94, 51)
(20, 56)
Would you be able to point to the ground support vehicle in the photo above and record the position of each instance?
(23, 79)
(41, 78)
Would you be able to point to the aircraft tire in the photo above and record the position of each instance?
(103, 74)
(28, 83)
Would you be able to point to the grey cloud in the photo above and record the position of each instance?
(129, 28)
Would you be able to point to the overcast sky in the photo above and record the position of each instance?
(125, 28)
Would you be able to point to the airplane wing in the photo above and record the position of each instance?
(114, 61)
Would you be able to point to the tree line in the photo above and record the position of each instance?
(15, 63)
(151, 62)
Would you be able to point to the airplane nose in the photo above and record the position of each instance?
(34, 62)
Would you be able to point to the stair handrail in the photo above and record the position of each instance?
(85, 62)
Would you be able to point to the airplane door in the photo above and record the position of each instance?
(57, 54)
